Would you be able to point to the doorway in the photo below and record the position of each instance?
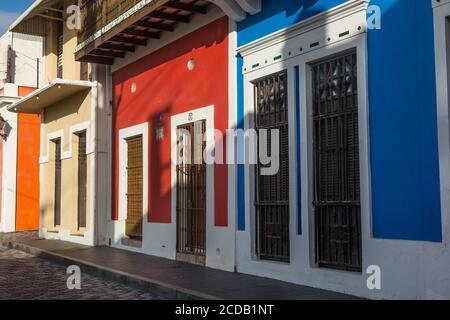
(191, 193)
(135, 185)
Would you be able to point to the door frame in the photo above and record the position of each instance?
(206, 114)
(124, 134)
(304, 241)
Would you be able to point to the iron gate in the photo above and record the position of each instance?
(336, 163)
(82, 179)
(272, 191)
(191, 192)
(133, 227)
(57, 201)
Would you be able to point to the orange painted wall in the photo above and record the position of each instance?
(27, 195)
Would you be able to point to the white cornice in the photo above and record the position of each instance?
(337, 13)
(438, 3)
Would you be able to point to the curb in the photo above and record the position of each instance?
(162, 289)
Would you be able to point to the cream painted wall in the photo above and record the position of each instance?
(71, 68)
(60, 118)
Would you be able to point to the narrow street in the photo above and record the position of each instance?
(23, 276)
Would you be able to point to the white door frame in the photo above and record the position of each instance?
(206, 114)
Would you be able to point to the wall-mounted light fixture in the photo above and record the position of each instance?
(191, 64)
(159, 129)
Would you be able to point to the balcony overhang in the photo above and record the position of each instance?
(146, 20)
(33, 20)
(48, 95)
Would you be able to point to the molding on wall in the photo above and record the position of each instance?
(437, 3)
(337, 24)
(441, 38)
(83, 126)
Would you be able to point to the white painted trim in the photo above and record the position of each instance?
(137, 130)
(206, 114)
(41, 174)
(442, 56)
(9, 176)
(232, 124)
(231, 9)
(250, 6)
(197, 22)
(59, 134)
(437, 3)
(338, 24)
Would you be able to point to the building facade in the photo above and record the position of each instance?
(21, 72)
(72, 117)
(365, 184)
(136, 150)
(170, 66)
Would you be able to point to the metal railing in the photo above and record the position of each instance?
(96, 14)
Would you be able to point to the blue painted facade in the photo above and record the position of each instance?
(402, 111)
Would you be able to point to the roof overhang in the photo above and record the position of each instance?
(144, 22)
(48, 95)
(33, 20)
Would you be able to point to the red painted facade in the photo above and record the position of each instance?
(165, 86)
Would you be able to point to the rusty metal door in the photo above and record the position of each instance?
(272, 191)
(336, 163)
(133, 225)
(191, 193)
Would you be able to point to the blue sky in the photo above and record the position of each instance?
(10, 10)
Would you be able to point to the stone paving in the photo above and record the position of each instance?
(23, 276)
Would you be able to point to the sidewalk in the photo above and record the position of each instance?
(168, 278)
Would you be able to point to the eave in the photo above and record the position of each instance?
(49, 95)
(146, 21)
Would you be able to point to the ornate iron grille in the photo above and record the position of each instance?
(135, 183)
(82, 179)
(57, 204)
(272, 191)
(336, 163)
(191, 192)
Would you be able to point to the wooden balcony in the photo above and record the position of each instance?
(111, 28)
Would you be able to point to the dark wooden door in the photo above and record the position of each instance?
(82, 180)
(191, 193)
(133, 225)
(57, 193)
(336, 163)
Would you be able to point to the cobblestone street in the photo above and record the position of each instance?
(23, 276)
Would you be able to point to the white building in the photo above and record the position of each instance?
(21, 71)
